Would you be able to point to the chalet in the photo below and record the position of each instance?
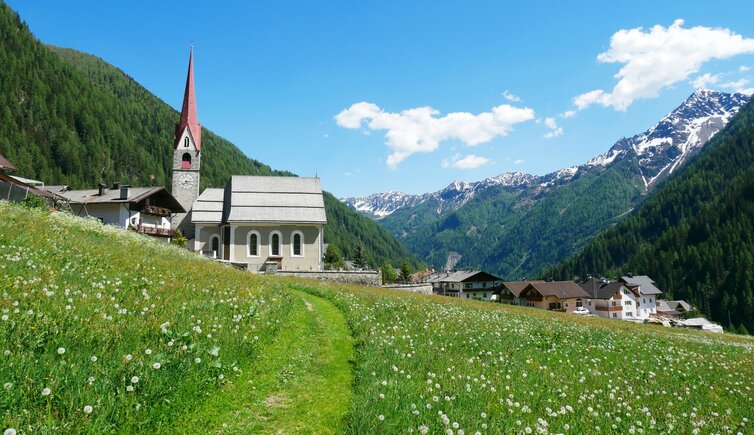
(621, 299)
(564, 296)
(673, 309)
(647, 303)
(146, 210)
(510, 292)
(467, 284)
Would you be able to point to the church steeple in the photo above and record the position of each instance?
(189, 120)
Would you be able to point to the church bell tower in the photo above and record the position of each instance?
(187, 155)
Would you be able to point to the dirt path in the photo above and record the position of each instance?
(300, 384)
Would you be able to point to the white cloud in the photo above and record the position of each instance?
(743, 68)
(419, 130)
(555, 130)
(705, 79)
(519, 161)
(510, 97)
(736, 86)
(469, 162)
(347, 174)
(569, 114)
(660, 57)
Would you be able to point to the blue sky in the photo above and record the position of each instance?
(283, 80)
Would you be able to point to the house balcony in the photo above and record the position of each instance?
(156, 211)
(609, 309)
(153, 231)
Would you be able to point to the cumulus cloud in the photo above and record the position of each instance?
(510, 97)
(569, 114)
(704, 80)
(660, 57)
(469, 162)
(555, 130)
(743, 68)
(420, 130)
(519, 161)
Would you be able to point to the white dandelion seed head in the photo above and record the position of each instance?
(156, 366)
(93, 358)
(9, 431)
(148, 351)
(88, 409)
(61, 350)
(46, 392)
(129, 388)
(135, 380)
(129, 357)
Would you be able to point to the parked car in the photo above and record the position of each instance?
(581, 311)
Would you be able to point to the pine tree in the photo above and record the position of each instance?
(388, 273)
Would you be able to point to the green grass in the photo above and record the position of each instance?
(301, 383)
(433, 364)
(362, 360)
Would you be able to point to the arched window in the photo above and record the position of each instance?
(214, 245)
(252, 244)
(185, 142)
(297, 244)
(275, 244)
(186, 161)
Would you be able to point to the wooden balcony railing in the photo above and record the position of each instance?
(153, 231)
(156, 211)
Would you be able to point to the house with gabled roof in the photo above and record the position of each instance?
(145, 210)
(564, 296)
(635, 299)
(466, 284)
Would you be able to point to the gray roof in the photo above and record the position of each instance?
(253, 199)
(516, 287)
(112, 196)
(645, 283)
(559, 289)
(598, 289)
(463, 276)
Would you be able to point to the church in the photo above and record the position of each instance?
(268, 223)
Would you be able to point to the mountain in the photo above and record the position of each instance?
(70, 118)
(695, 235)
(516, 224)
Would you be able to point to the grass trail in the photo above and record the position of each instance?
(300, 384)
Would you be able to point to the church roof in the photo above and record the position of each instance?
(189, 119)
(268, 200)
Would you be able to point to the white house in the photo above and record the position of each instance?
(466, 284)
(620, 299)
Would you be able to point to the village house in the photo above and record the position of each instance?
(563, 296)
(146, 210)
(15, 188)
(270, 224)
(630, 298)
(673, 309)
(466, 284)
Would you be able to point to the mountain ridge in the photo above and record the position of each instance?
(708, 110)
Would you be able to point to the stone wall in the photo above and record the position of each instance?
(364, 277)
(425, 289)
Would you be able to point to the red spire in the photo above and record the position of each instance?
(188, 111)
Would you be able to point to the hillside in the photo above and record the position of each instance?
(515, 224)
(109, 331)
(70, 118)
(695, 236)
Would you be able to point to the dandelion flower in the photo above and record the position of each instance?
(129, 388)
(88, 409)
(197, 360)
(148, 351)
(93, 358)
(381, 417)
(8, 385)
(129, 357)
(9, 431)
(135, 380)
(156, 366)
(46, 392)
(61, 350)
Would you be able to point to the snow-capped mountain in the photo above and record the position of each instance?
(658, 151)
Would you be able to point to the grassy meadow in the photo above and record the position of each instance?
(107, 331)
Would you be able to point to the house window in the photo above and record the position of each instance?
(467, 295)
(614, 303)
(630, 314)
(484, 285)
(615, 315)
(485, 295)
(297, 244)
(275, 244)
(627, 303)
(644, 300)
(186, 161)
(579, 303)
(185, 142)
(252, 244)
(468, 285)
